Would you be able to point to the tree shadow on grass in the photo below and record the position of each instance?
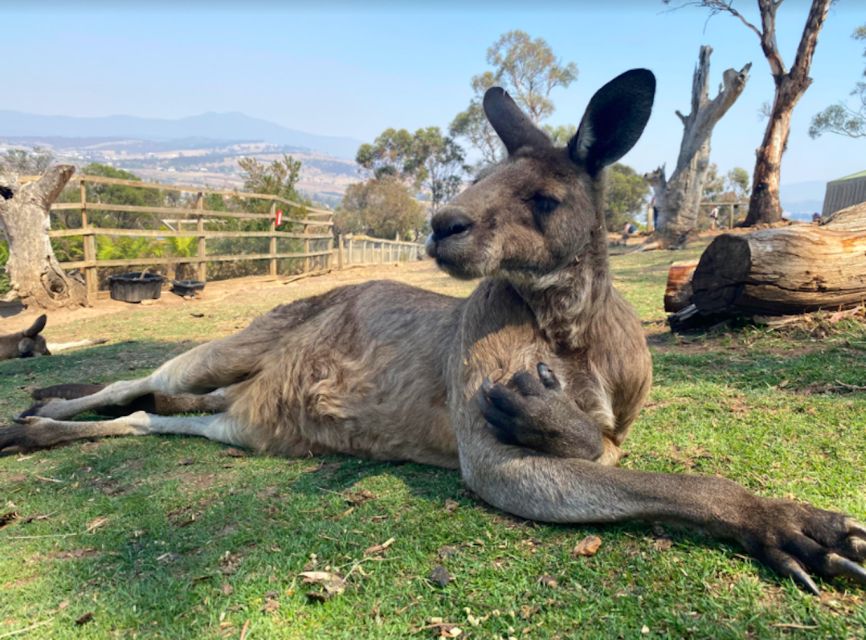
(830, 368)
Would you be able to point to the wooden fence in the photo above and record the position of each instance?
(312, 233)
(353, 250)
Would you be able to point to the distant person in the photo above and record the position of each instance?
(816, 217)
(714, 217)
(626, 232)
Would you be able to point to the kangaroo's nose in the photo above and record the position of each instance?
(449, 222)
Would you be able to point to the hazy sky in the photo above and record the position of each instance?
(354, 69)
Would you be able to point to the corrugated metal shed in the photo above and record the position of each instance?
(844, 192)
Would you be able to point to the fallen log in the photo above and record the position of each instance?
(786, 270)
(851, 218)
(678, 291)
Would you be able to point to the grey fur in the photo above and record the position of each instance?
(390, 372)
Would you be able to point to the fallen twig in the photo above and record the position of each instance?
(25, 629)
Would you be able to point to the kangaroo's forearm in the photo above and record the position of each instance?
(578, 491)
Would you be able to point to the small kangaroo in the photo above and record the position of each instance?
(25, 344)
(529, 386)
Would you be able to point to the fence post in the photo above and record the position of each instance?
(91, 279)
(202, 241)
(339, 251)
(272, 247)
(306, 249)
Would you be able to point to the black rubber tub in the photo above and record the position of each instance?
(135, 287)
(187, 287)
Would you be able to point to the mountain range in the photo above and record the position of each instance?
(232, 126)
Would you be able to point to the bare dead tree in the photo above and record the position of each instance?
(36, 275)
(678, 198)
(764, 205)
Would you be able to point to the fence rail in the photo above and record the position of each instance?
(312, 231)
(355, 250)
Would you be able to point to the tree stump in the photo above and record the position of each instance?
(36, 276)
(678, 292)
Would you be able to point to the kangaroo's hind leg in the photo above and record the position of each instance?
(36, 432)
(202, 369)
(158, 403)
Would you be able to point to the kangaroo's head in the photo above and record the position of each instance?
(539, 209)
(31, 343)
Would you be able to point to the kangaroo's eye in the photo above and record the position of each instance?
(542, 205)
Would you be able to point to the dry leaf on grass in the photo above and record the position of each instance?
(451, 506)
(379, 548)
(332, 584)
(443, 629)
(358, 497)
(97, 522)
(662, 544)
(587, 547)
(548, 581)
(271, 603)
(231, 452)
(229, 563)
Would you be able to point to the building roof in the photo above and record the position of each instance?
(853, 176)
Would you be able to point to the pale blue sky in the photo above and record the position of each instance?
(354, 69)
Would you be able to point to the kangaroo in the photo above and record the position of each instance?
(528, 386)
(25, 344)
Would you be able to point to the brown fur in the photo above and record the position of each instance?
(25, 344)
(386, 371)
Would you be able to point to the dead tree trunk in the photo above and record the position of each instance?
(36, 276)
(764, 205)
(679, 198)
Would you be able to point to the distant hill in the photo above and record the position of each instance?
(232, 126)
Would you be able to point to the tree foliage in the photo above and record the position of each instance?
(840, 118)
(26, 162)
(733, 186)
(559, 134)
(739, 181)
(529, 70)
(426, 159)
(380, 207)
(525, 67)
(626, 195)
(279, 178)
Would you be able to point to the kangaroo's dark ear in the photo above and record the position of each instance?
(513, 127)
(36, 327)
(614, 120)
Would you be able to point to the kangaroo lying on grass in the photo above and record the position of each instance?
(529, 386)
(25, 344)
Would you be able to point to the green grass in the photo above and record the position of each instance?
(194, 543)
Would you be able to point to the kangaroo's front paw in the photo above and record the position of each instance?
(796, 539)
(535, 413)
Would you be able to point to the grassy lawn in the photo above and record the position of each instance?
(165, 537)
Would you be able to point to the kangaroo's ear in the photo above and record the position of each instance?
(36, 327)
(513, 127)
(614, 120)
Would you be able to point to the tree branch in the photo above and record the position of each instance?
(806, 49)
(49, 186)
